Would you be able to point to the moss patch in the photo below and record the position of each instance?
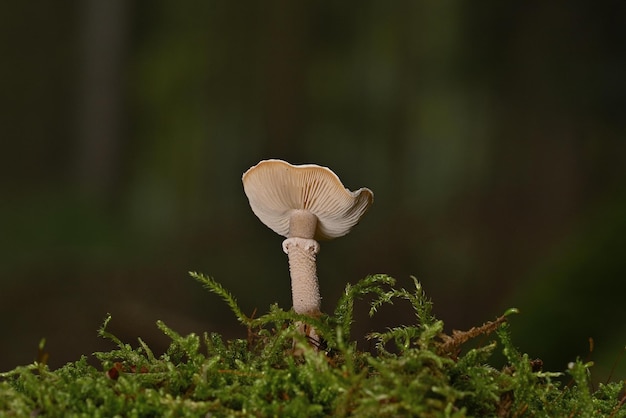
(416, 370)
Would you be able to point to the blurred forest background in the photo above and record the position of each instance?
(492, 134)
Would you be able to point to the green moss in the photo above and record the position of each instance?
(417, 370)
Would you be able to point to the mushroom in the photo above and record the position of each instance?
(303, 203)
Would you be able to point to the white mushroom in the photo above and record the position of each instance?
(303, 203)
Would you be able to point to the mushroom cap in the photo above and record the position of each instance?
(275, 188)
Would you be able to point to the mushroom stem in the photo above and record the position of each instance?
(305, 290)
(302, 224)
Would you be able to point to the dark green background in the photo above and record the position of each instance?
(492, 134)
